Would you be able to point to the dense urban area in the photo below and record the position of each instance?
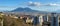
(9, 19)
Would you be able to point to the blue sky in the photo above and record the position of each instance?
(41, 5)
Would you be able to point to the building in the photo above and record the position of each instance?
(41, 20)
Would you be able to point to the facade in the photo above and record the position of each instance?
(41, 20)
(54, 20)
(59, 20)
(29, 20)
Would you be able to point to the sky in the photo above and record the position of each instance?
(40, 5)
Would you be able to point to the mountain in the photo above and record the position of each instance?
(23, 10)
(20, 9)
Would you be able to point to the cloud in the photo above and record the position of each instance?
(33, 3)
(38, 4)
(52, 4)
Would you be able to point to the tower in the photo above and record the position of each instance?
(54, 19)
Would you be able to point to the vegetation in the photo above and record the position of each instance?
(9, 21)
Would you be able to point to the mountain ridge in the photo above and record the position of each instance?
(27, 9)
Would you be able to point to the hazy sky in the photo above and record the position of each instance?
(41, 5)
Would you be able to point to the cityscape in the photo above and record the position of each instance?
(10, 19)
(29, 12)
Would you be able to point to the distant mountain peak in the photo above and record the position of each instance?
(27, 9)
(19, 9)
